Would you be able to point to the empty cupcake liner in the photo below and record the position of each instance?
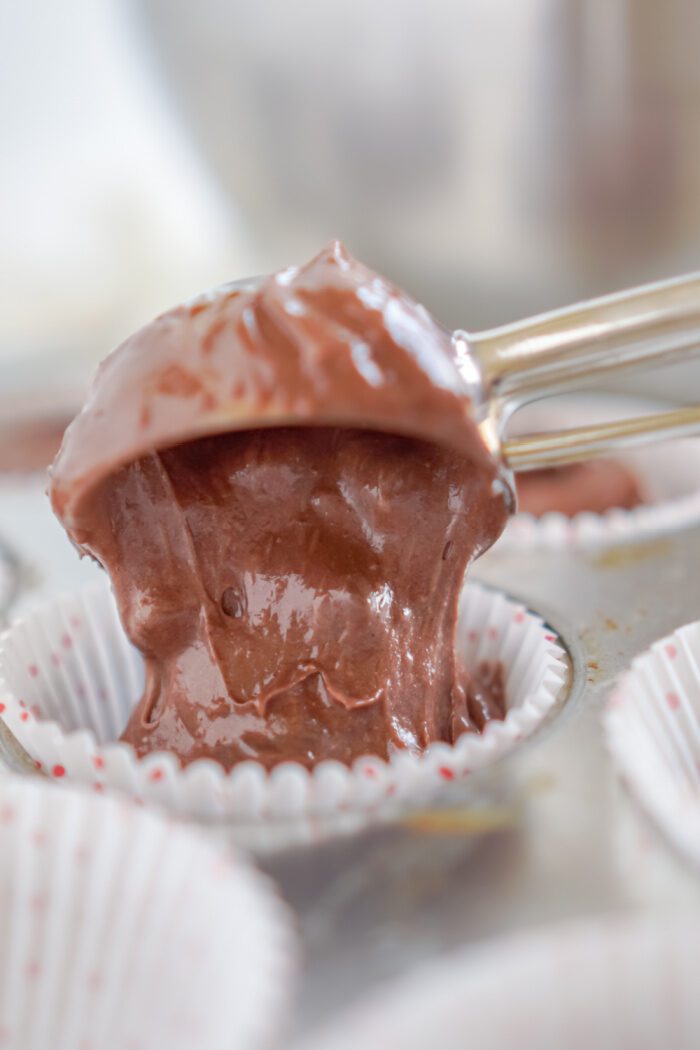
(652, 725)
(622, 983)
(669, 473)
(69, 679)
(123, 931)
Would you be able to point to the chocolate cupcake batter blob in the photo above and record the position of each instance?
(294, 592)
(293, 589)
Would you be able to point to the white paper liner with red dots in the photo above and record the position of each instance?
(122, 930)
(69, 679)
(652, 725)
(668, 471)
(614, 983)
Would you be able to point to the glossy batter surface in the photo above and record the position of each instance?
(295, 592)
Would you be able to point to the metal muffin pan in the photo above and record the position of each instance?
(545, 835)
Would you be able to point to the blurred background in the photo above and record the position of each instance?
(495, 157)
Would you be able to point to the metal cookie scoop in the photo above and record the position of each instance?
(510, 366)
(334, 344)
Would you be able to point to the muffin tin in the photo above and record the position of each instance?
(545, 834)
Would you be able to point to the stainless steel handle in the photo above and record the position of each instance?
(536, 451)
(643, 326)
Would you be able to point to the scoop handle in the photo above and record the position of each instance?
(642, 326)
(535, 451)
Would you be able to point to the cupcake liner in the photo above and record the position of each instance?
(69, 679)
(120, 930)
(669, 473)
(652, 726)
(614, 984)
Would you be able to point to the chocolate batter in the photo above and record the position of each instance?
(293, 588)
(596, 486)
